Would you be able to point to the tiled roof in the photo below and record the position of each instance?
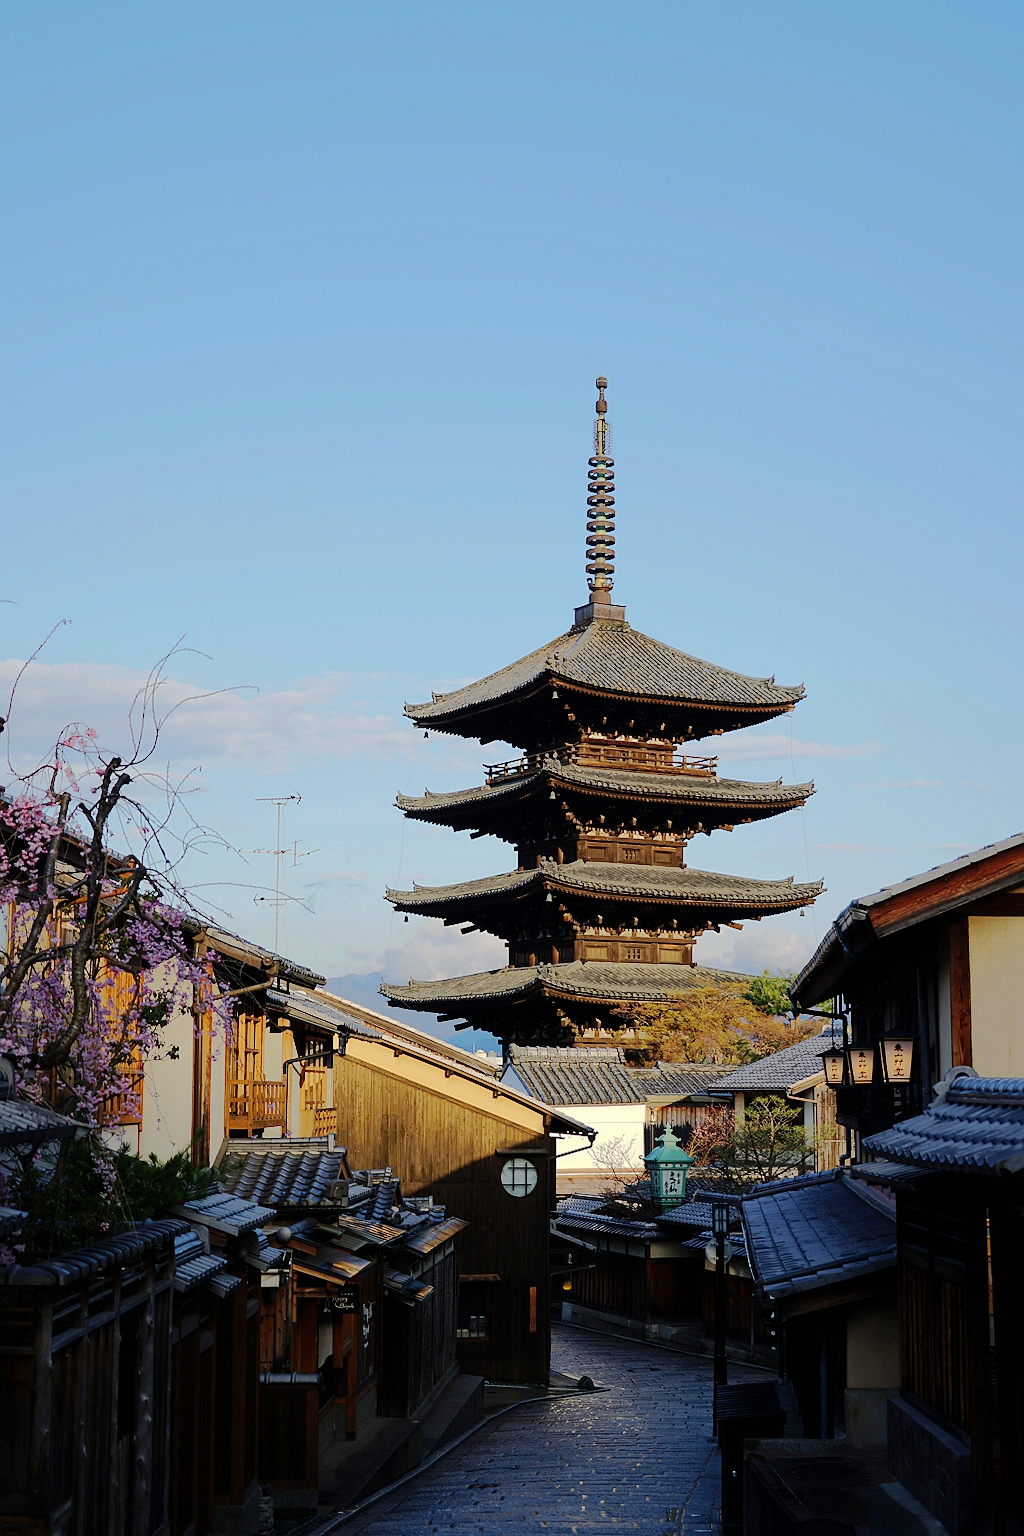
(610, 1226)
(694, 788)
(107, 1253)
(693, 1214)
(576, 978)
(684, 1078)
(193, 1266)
(957, 883)
(571, 1075)
(236, 948)
(636, 882)
(612, 657)
(818, 1230)
(29, 1125)
(225, 1212)
(778, 1073)
(279, 1174)
(431, 1235)
(405, 1287)
(979, 1129)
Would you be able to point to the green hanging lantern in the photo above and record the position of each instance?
(667, 1164)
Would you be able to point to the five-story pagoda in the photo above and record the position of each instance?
(602, 906)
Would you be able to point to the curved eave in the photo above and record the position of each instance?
(637, 885)
(616, 663)
(719, 797)
(495, 719)
(577, 980)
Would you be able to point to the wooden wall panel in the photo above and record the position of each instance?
(960, 992)
(443, 1148)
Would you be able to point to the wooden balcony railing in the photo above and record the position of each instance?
(124, 1108)
(596, 751)
(255, 1104)
(325, 1121)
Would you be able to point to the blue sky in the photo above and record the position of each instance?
(302, 311)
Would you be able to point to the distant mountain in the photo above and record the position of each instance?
(363, 990)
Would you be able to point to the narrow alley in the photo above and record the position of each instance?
(638, 1456)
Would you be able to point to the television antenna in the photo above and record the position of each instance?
(281, 854)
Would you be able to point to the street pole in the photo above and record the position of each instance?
(720, 1229)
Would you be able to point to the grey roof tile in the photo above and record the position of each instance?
(818, 1230)
(600, 1075)
(576, 978)
(779, 1072)
(614, 658)
(25, 1124)
(979, 1129)
(278, 1174)
(636, 882)
(106, 1253)
(697, 788)
(225, 1212)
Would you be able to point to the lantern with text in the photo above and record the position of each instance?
(861, 1062)
(833, 1064)
(667, 1164)
(897, 1058)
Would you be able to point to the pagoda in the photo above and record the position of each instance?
(602, 906)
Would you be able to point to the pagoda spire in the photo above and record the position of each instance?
(601, 505)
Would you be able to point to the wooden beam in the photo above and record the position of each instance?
(960, 993)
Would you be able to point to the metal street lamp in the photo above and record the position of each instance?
(860, 1060)
(667, 1165)
(897, 1058)
(833, 1062)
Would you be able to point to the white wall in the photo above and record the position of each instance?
(610, 1121)
(167, 1094)
(997, 995)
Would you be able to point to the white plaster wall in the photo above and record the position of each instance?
(167, 1093)
(610, 1121)
(997, 995)
(218, 1092)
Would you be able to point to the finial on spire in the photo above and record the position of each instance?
(600, 506)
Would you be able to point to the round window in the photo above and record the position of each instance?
(519, 1177)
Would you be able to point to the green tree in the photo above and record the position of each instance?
(768, 1143)
(769, 994)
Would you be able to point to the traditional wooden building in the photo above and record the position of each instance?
(602, 906)
(628, 1107)
(937, 959)
(935, 965)
(822, 1257)
(956, 1425)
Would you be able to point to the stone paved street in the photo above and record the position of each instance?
(630, 1458)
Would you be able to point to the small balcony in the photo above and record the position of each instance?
(595, 752)
(255, 1104)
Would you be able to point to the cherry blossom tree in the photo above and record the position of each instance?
(99, 946)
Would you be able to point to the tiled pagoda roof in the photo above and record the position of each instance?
(599, 980)
(609, 657)
(696, 789)
(638, 882)
(600, 1075)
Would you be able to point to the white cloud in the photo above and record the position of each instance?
(318, 719)
(755, 949)
(751, 747)
(424, 951)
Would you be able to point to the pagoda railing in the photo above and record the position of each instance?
(646, 759)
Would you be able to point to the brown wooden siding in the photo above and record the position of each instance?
(447, 1149)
